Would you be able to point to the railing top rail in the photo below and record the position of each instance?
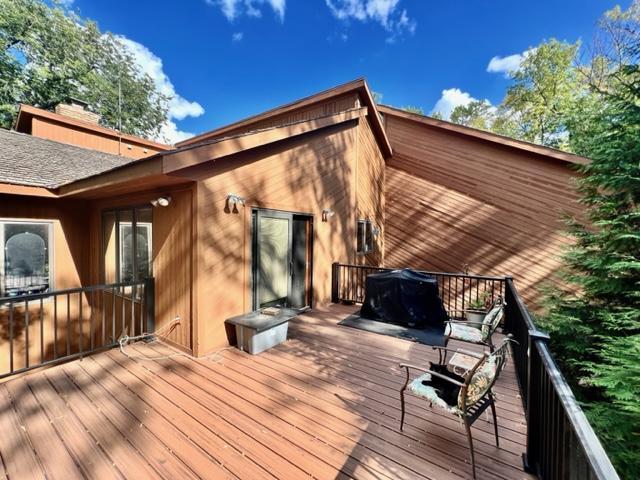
(593, 449)
(38, 296)
(444, 274)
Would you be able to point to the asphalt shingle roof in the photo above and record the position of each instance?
(37, 162)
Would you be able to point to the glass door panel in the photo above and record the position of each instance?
(274, 260)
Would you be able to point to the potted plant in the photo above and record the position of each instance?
(477, 308)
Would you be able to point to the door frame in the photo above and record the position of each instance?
(255, 212)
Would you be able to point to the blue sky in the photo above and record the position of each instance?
(225, 60)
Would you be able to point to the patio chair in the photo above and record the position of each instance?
(478, 333)
(475, 393)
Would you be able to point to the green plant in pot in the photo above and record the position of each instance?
(477, 309)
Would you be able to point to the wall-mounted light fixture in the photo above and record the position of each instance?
(375, 231)
(163, 201)
(327, 213)
(233, 201)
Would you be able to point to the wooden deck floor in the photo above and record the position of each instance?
(322, 405)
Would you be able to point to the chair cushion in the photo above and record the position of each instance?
(480, 383)
(429, 392)
(492, 320)
(462, 332)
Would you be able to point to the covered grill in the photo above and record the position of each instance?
(404, 297)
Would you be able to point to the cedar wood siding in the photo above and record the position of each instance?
(70, 268)
(303, 175)
(173, 247)
(93, 139)
(370, 178)
(453, 200)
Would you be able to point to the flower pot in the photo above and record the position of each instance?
(476, 316)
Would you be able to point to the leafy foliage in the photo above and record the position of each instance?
(595, 323)
(48, 54)
(476, 114)
(413, 109)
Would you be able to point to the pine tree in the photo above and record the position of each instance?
(595, 323)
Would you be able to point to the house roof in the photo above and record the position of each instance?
(27, 112)
(484, 135)
(37, 162)
(359, 85)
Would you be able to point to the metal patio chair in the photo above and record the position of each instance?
(475, 392)
(478, 333)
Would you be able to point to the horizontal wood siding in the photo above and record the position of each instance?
(370, 178)
(453, 200)
(303, 175)
(321, 109)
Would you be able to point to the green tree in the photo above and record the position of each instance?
(542, 90)
(476, 114)
(595, 322)
(48, 54)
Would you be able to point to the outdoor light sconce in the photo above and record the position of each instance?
(161, 201)
(375, 231)
(233, 201)
(327, 213)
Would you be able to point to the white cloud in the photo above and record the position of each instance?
(508, 64)
(385, 12)
(237, 37)
(450, 99)
(252, 8)
(179, 107)
(66, 3)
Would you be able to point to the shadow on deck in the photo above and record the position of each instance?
(322, 405)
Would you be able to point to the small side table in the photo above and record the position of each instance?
(461, 363)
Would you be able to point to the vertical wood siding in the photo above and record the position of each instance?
(453, 200)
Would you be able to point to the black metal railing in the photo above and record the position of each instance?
(45, 328)
(561, 444)
(457, 290)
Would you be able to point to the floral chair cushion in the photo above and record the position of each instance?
(430, 393)
(492, 319)
(480, 383)
(466, 333)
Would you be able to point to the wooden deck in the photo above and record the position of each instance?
(322, 405)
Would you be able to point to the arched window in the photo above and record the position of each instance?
(25, 258)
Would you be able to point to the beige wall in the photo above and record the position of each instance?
(454, 200)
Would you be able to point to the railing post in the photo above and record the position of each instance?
(150, 304)
(335, 282)
(531, 458)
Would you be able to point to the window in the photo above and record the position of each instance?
(25, 257)
(127, 256)
(364, 232)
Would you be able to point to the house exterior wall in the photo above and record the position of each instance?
(453, 200)
(69, 265)
(90, 138)
(303, 175)
(173, 247)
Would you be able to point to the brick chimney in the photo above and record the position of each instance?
(77, 109)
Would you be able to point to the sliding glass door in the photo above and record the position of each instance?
(281, 259)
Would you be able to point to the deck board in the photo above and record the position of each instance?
(322, 405)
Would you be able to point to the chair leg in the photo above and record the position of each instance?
(495, 421)
(401, 409)
(467, 426)
(443, 353)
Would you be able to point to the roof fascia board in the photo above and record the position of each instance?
(191, 156)
(486, 136)
(26, 190)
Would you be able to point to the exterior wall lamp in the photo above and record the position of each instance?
(375, 231)
(327, 213)
(161, 201)
(233, 201)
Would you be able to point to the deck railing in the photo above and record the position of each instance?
(561, 444)
(45, 328)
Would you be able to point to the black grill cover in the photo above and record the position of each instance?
(404, 297)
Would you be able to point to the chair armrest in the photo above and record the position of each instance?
(465, 322)
(456, 350)
(431, 372)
